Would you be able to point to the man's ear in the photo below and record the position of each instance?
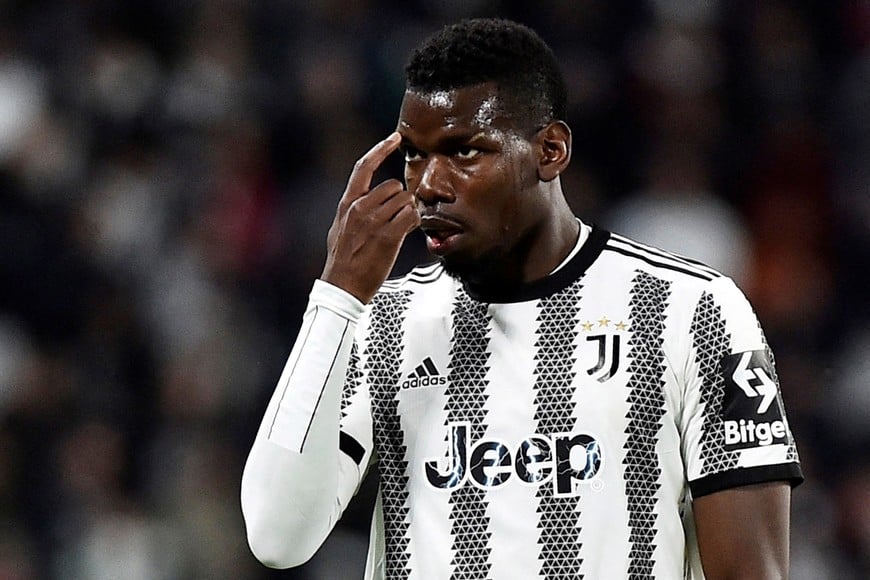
(554, 146)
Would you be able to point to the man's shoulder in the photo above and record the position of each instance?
(423, 290)
(417, 279)
(659, 262)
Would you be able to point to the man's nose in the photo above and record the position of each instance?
(434, 185)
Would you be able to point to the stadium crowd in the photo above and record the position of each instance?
(168, 172)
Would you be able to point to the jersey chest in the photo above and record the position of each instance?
(529, 394)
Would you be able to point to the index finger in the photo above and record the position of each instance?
(360, 179)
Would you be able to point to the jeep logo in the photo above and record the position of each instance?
(567, 459)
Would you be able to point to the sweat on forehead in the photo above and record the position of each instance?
(487, 111)
(440, 99)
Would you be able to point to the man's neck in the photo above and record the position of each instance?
(535, 256)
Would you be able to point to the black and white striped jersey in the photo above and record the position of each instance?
(559, 431)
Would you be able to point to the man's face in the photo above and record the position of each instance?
(474, 175)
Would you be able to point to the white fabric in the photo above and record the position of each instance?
(296, 483)
(619, 373)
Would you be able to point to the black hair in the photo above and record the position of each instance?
(481, 50)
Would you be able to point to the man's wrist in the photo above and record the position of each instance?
(335, 299)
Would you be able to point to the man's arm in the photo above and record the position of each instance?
(740, 478)
(743, 532)
(296, 481)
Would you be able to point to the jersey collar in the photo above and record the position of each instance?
(558, 280)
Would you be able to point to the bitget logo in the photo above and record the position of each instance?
(751, 406)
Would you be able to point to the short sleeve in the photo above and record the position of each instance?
(735, 429)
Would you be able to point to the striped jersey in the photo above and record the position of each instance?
(561, 429)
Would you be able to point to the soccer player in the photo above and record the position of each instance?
(547, 399)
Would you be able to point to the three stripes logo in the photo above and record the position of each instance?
(425, 375)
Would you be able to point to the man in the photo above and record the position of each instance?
(548, 400)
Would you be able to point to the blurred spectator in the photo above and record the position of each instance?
(677, 211)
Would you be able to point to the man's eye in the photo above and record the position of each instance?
(412, 154)
(466, 152)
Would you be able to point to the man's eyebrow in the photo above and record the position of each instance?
(463, 139)
(448, 141)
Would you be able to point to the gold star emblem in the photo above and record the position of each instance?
(621, 325)
(587, 326)
(604, 322)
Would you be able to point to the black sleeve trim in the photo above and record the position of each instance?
(350, 447)
(790, 472)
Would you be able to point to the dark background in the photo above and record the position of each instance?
(169, 168)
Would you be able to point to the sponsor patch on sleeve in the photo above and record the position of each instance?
(751, 409)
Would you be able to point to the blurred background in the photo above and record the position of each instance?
(169, 169)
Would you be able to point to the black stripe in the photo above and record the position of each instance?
(426, 270)
(290, 375)
(352, 379)
(382, 355)
(430, 366)
(323, 386)
(420, 371)
(420, 282)
(555, 411)
(614, 365)
(351, 447)
(665, 254)
(790, 472)
(649, 300)
(425, 274)
(658, 264)
(712, 341)
(466, 392)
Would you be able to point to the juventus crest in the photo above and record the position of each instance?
(603, 348)
(608, 356)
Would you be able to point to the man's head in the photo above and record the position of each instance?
(512, 56)
(484, 146)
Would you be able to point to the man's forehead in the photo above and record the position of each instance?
(477, 105)
(445, 99)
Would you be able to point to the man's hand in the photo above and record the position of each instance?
(369, 226)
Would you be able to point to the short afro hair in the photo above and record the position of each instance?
(509, 54)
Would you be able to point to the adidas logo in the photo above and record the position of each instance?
(425, 375)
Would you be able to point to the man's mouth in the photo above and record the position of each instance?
(441, 233)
